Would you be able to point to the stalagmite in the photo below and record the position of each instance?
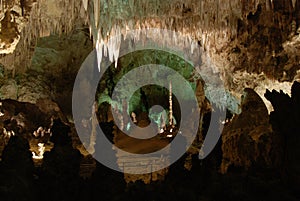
(133, 115)
(93, 136)
(170, 105)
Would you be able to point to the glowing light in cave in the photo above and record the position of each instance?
(8, 134)
(133, 115)
(1, 114)
(40, 155)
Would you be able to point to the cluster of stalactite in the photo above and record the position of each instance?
(213, 23)
(42, 19)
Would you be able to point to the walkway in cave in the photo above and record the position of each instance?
(141, 162)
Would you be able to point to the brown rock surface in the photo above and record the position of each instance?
(247, 139)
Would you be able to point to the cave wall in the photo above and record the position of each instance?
(55, 63)
(257, 40)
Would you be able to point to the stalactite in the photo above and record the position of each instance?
(174, 17)
(268, 5)
(294, 3)
(213, 23)
(96, 13)
(42, 21)
(99, 49)
(85, 4)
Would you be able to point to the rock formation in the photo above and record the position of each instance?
(285, 121)
(247, 138)
(230, 52)
(230, 32)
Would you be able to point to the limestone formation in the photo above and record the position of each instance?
(229, 32)
(247, 139)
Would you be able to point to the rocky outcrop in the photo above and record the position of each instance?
(54, 66)
(17, 170)
(247, 139)
(62, 163)
(285, 120)
(24, 118)
(9, 89)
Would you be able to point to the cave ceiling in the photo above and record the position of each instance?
(247, 43)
